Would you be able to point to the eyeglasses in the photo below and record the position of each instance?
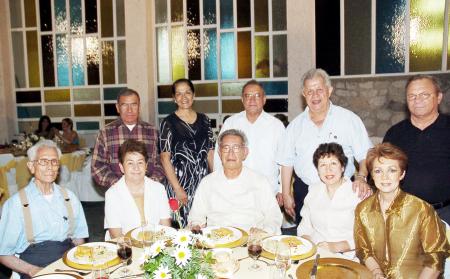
(310, 92)
(46, 162)
(251, 95)
(420, 96)
(228, 148)
(125, 106)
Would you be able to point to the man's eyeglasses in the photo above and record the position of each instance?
(228, 148)
(420, 96)
(310, 92)
(251, 95)
(46, 162)
(133, 106)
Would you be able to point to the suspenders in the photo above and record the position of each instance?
(27, 214)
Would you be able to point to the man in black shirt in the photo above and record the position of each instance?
(425, 137)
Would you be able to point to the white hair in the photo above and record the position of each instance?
(234, 132)
(312, 73)
(32, 151)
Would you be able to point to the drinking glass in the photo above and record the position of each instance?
(124, 252)
(100, 273)
(254, 250)
(282, 260)
(148, 236)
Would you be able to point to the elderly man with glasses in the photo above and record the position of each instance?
(43, 220)
(235, 195)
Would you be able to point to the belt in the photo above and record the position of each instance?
(440, 205)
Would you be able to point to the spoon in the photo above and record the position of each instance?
(71, 270)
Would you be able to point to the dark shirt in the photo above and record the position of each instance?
(428, 150)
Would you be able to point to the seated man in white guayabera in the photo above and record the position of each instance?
(43, 220)
(235, 195)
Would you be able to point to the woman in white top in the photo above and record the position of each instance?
(134, 199)
(328, 210)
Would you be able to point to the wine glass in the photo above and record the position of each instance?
(282, 260)
(254, 250)
(148, 236)
(100, 273)
(124, 252)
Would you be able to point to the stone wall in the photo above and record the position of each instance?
(380, 101)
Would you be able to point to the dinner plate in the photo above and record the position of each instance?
(110, 257)
(237, 238)
(226, 265)
(167, 233)
(334, 268)
(305, 250)
(58, 276)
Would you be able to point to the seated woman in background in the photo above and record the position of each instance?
(68, 136)
(397, 235)
(328, 210)
(45, 128)
(134, 199)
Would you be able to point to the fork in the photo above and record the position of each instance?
(71, 270)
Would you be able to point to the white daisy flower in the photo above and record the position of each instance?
(183, 238)
(201, 276)
(182, 255)
(156, 248)
(162, 273)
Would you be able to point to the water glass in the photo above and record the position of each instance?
(101, 273)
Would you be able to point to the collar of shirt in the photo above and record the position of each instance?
(33, 191)
(395, 207)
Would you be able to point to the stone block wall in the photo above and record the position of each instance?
(380, 101)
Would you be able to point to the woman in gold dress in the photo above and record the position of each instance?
(397, 235)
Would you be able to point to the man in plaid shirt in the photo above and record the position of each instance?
(105, 160)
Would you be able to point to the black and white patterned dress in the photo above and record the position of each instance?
(188, 145)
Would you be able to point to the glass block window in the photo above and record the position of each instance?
(220, 45)
(69, 60)
(381, 37)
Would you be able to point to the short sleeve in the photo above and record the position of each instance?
(165, 136)
(361, 141)
(286, 149)
(11, 228)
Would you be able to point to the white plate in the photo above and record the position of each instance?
(110, 247)
(237, 234)
(168, 231)
(305, 247)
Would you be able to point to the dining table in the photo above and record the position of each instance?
(239, 253)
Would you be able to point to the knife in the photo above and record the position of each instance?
(314, 268)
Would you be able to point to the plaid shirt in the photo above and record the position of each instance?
(105, 160)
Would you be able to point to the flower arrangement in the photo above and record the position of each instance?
(180, 261)
(28, 141)
(175, 207)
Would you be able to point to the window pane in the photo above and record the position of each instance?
(23, 97)
(261, 16)
(30, 13)
(75, 17)
(110, 110)
(232, 106)
(262, 56)
(108, 62)
(122, 61)
(206, 89)
(206, 106)
(62, 60)
(390, 44)
(33, 59)
(120, 18)
(210, 53)
(15, 11)
(29, 112)
(58, 111)
(278, 15)
(226, 14)
(358, 34)
(85, 125)
(275, 87)
(45, 14)
(232, 88)
(77, 61)
(194, 54)
(193, 12)
(59, 95)
(166, 107)
(426, 35)
(86, 94)
(87, 110)
(48, 60)
(90, 8)
(178, 54)
(243, 13)
(27, 126)
(61, 16)
(93, 60)
(276, 105)
(328, 38)
(162, 43)
(227, 56)
(165, 91)
(209, 11)
(244, 54)
(19, 59)
(111, 93)
(176, 10)
(106, 9)
(280, 56)
(161, 11)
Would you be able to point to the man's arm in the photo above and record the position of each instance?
(19, 265)
(360, 183)
(288, 199)
(100, 166)
(154, 167)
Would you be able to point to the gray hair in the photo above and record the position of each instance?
(127, 92)
(32, 151)
(431, 78)
(312, 73)
(253, 82)
(233, 132)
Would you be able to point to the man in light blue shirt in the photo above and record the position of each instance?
(321, 122)
(43, 220)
